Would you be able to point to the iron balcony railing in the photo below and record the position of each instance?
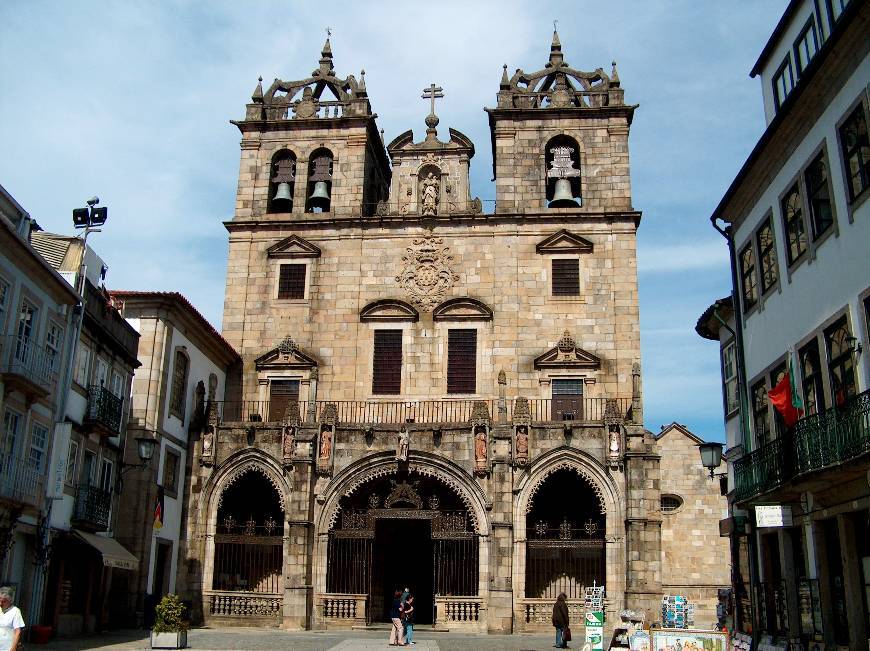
(92, 508)
(422, 411)
(816, 442)
(21, 356)
(20, 481)
(105, 408)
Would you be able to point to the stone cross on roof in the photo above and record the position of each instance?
(432, 93)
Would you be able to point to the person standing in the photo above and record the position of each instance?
(560, 620)
(397, 638)
(11, 622)
(408, 612)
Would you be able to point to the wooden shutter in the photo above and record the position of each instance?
(280, 393)
(291, 283)
(462, 361)
(387, 365)
(567, 400)
(566, 277)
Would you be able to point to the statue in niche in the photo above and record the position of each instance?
(288, 442)
(522, 445)
(429, 199)
(208, 441)
(614, 441)
(480, 448)
(325, 444)
(404, 445)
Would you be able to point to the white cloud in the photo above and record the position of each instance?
(683, 257)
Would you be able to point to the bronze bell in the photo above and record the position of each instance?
(563, 197)
(283, 193)
(320, 197)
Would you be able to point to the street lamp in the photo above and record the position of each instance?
(145, 447)
(711, 456)
(90, 216)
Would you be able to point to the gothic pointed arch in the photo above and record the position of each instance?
(236, 466)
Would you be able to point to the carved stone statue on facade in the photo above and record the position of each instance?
(429, 198)
(403, 445)
(208, 443)
(325, 445)
(480, 449)
(522, 445)
(288, 442)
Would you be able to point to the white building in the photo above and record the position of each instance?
(797, 220)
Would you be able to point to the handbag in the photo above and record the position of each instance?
(566, 636)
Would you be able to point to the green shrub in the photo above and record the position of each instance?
(170, 615)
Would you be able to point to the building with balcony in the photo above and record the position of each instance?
(797, 222)
(36, 326)
(85, 552)
(184, 368)
(425, 380)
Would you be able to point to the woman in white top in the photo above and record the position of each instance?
(11, 622)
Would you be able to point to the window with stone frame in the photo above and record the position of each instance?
(83, 364)
(775, 378)
(53, 344)
(281, 392)
(671, 503)
(461, 361)
(566, 277)
(748, 283)
(806, 46)
(72, 463)
(793, 220)
(819, 195)
(107, 475)
(767, 254)
(760, 419)
(291, 281)
(855, 147)
(562, 172)
(783, 82)
(729, 377)
(811, 378)
(282, 181)
(38, 442)
(171, 465)
(387, 362)
(567, 403)
(841, 364)
(178, 393)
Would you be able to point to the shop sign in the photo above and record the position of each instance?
(773, 515)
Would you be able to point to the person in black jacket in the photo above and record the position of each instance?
(397, 638)
(560, 620)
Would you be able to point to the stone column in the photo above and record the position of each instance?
(298, 549)
(500, 608)
(311, 411)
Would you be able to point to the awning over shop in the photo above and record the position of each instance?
(113, 553)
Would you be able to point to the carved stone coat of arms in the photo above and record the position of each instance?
(426, 274)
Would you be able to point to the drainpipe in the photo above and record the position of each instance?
(728, 234)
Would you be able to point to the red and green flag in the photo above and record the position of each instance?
(158, 509)
(785, 397)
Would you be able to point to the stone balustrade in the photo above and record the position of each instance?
(342, 610)
(461, 613)
(537, 614)
(243, 605)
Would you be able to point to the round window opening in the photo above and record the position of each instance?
(671, 503)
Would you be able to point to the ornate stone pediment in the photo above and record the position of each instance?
(566, 354)
(563, 241)
(427, 273)
(462, 309)
(286, 355)
(293, 247)
(389, 309)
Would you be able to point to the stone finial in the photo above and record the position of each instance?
(521, 408)
(257, 96)
(556, 44)
(287, 346)
(505, 81)
(329, 414)
(313, 374)
(361, 86)
(556, 57)
(502, 377)
(382, 136)
(480, 412)
(614, 76)
(566, 343)
(291, 413)
(326, 67)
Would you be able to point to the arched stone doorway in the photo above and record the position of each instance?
(387, 527)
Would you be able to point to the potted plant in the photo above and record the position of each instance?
(170, 624)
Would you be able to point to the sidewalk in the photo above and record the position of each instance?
(255, 639)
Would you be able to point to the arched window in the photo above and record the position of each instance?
(671, 503)
(282, 181)
(562, 162)
(179, 384)
(319, 181)
(429, 190)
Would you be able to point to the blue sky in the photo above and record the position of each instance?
(131, 101)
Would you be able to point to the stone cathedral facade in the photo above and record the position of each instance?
(435, 393)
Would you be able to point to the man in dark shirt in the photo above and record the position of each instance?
(560, 620)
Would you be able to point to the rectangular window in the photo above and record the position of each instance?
(38, 440)
(281, 392)
(819, 195)
(26, 330)
(171, 464)
(841, 366)
(72, 462)
(783, 82)
(793, 218)
(747, 277)
(83, 365)
(566, 277)
(53, 344)
(760, 422)
(118, 384)
(9, 441)
(179, 385)
(811, 379)
(567, 399)
(106, 476)
(461, 361)
(729, 377)
(836, 8)
(767, 255)
(856, 151)
(291, 282)
(387, 362)
(806, 46)
(101, 377)
(89, 468)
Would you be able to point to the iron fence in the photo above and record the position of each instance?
(19, 480)
(105, 408)
(92, 508)
(22, 356)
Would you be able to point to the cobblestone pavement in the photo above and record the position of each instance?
(246, 639)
